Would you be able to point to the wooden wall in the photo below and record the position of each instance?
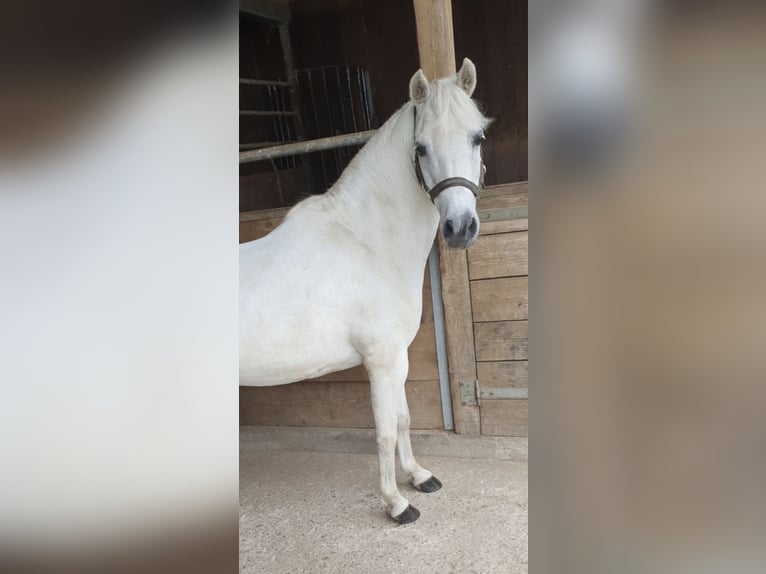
(498, 270)
(493, 33)
(381, 36)
(342, 399)
(265, 184)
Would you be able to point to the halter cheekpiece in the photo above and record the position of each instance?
(434, 192)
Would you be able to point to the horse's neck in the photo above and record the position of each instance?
(384, 204)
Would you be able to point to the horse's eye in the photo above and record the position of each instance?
(420, 149)
(478, 138)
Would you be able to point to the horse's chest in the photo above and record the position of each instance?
(395, 307)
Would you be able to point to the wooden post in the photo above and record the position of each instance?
(436, 43)
(436, 46)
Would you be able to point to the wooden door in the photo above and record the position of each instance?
(498, 271)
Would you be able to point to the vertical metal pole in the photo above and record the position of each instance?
(351, 98)
(287, 53)
(441, 338)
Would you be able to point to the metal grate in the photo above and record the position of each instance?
(334, 100)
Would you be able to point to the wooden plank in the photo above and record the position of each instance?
(263, 214)
(494, 197)
(273, 189)
(458, 319)
(505, 226)
(501, 341)
(503, 255)
(513, 374)
(252, 230)
(422, 353)
(519, 188)
(255, 224)
(509, 417)
(358, 373)
(487, 215)
(332, 404)
(501, 200)
(500, 299)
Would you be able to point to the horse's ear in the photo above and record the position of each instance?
(466, 77)
(419, 88)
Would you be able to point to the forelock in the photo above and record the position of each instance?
(448, 106)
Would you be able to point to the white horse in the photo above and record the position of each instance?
(339, 282)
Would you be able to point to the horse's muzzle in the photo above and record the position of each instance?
(461, 232)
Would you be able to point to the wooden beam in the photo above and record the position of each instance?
(436, 42)
(436, 47)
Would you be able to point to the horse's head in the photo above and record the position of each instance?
(449, 129)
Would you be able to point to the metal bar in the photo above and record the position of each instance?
(254, 82)
(468, 394)
(363, 85)
(266, 113)
(317, 131)
(503, 393)
(259, 145)
(306, 146)
(329, 118)
(351, 98)
(441, 340)
(287, 135)
(292, 78)
(278, 122)
(346, 155)
(368, 89)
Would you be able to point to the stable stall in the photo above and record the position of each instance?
(468, 362)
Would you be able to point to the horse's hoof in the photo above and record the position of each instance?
(410, 514)
(431, 485)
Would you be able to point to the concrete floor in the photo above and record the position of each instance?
(320, 512)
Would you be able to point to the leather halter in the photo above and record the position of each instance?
(434, 192)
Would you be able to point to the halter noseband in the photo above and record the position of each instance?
(434, 192)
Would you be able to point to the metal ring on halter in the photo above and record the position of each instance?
(434, 192)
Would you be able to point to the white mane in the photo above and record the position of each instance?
(448, 105)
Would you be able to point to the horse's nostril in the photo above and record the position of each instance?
(449, 230)
(473, 227)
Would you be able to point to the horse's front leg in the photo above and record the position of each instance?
(388, 371)
(422, 479)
